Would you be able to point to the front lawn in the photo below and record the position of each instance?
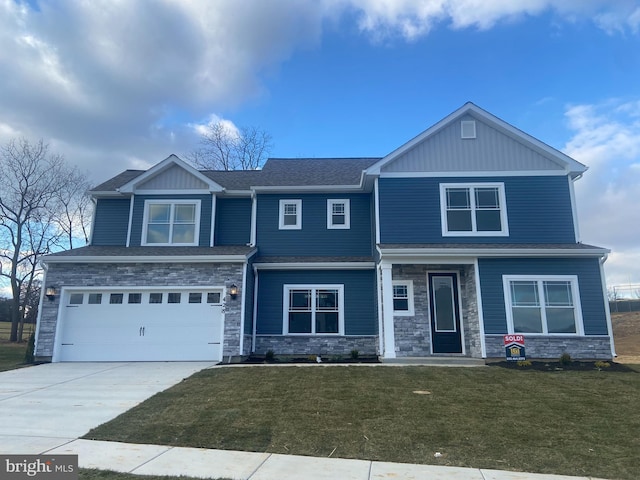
(564, 422)
(11, 355)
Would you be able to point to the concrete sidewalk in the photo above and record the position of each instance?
(195, 462)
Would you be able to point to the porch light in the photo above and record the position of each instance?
(51, 293)
(233, 291)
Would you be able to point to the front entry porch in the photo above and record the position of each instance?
(430, 311)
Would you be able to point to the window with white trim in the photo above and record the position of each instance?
(543, 304)
(171, 222)
(338, 214)
(476, 209)
(313, 310)
(290, 215)
(403, 298)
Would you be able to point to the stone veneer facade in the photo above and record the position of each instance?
(123, 275)
(316, 345)
(580, 348)
(413, 333)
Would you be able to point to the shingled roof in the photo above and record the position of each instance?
(277, 172)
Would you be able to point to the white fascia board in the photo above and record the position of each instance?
(315, 266)
(413, 253)
(130, 186)
(308, 189)
(485, 173)
(150, 259)
(107, 193)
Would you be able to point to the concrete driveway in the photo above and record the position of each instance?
(46, 406)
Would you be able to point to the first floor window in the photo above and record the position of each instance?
(313, 310)
(543, 305)
(403, 297)
(171, 222)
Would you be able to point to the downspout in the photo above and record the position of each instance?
(607, 310)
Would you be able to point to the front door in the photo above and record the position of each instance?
(444, 311)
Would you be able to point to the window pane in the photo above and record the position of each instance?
(400, 291)
(76, 299)
(459, 221)
(558, 294)
(195, 297)
(213, 297)
(524, 294)
(458, 198)
(487, 198)
(290, 219)
(401, 304)
(157, 233)
(116, 298)
(488, 221)
(327, 300)
(290, 209)
(95, 298)
(338, 220)
(299, 322)
(300, 300)
(561, 320)
(337, 208)
(444, 308)
(174, 297)
(155, 298)
(327, 322)
(159, 213)
(135, 298)
(527, 320)
(184, 233)
(185, 213)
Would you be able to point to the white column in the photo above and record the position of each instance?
(387, 308)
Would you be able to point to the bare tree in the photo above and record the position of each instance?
(223, 147)
(32, 181)
(73, 216)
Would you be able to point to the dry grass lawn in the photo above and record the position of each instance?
(626, 333)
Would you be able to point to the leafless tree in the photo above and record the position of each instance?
(73, 215)
(222, 147)
(32, 184)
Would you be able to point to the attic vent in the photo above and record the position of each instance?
(468, 128)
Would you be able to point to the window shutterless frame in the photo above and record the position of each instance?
(472, 209)
(338, 214)
(311, 309)
(290, 214)
(173, 219)
(403, 298)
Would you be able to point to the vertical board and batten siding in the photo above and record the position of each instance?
(589, 283)
(233, 221)
(359, 298)
(111, 222)
(205, 216)
(315, 239)
(492, 150)
(538, 209)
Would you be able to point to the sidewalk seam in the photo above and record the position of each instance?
(259, 466)
(370, 468)
(152, 458)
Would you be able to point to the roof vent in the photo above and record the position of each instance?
(468, 128)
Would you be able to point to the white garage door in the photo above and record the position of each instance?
(141, 325)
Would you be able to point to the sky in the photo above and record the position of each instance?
(117, 84)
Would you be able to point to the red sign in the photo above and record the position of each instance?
(509, 339)
(514, 348)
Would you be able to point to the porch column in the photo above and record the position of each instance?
(387, 308)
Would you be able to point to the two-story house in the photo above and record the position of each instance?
(464, 234)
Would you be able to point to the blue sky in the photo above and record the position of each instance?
(114, 85)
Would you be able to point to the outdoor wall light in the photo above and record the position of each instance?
(233, 290)
(51, 293)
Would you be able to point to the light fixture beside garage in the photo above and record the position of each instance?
(233, 291)
(51, 293)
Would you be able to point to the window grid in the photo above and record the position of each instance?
(290, 215)
(338, 214)
(313, 310)
(473, 210)
(171, 222)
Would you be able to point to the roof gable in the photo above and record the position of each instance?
(172, 174)
(496, 147)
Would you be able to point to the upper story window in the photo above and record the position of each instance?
(171, 222)
(290, 215)
(338, 214)
(543, 305)
(473, 209)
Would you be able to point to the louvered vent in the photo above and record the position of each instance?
(468, 128)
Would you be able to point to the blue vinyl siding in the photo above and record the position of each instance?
(314, 239)
(233, 221)
(205, 216)
(111, 222)
(538, 209)
(360, 303)
(589, 284)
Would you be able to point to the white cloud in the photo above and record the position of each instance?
(607, 139)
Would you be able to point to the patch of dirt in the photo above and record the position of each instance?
(626, 334)
(311, 359)
(543, 366)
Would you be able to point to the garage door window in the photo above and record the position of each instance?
(155, 298)
(135, 298)
(76, 299)
(115, 298)
(95, 298)
(195, 297)
(213, 297)
(174, 298)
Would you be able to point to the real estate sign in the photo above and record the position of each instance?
(514, 348)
